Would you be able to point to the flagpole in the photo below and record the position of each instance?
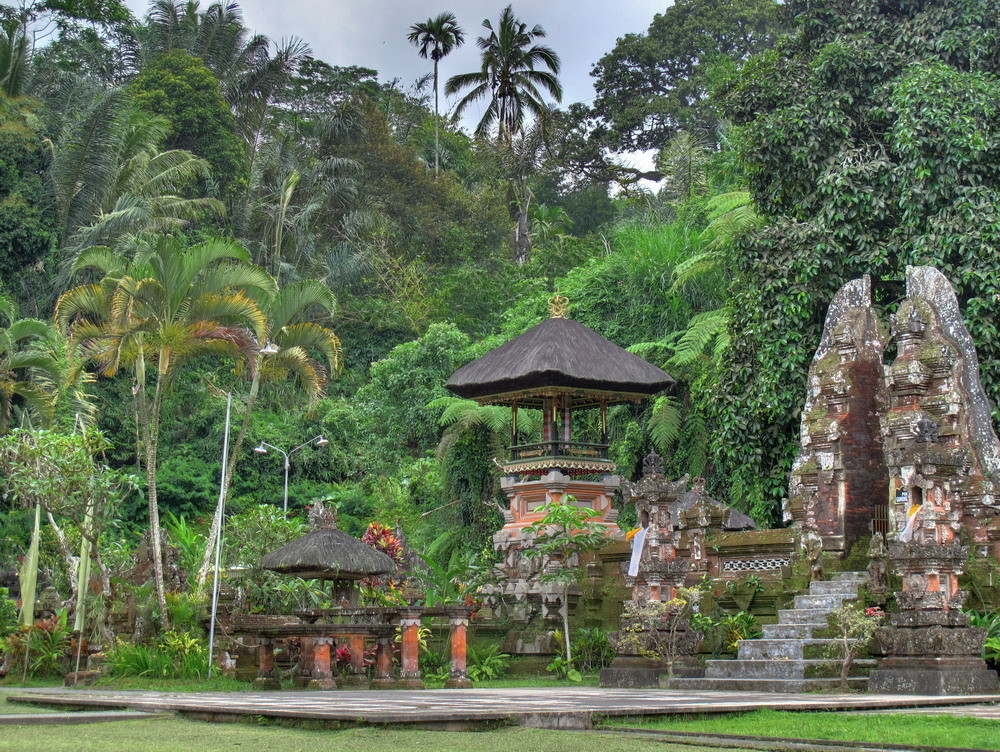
(218, 539)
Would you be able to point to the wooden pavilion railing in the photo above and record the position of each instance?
(567, 449)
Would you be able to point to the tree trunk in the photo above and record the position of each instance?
(436, 150)
(234, 455)
(154, 509)
(521, 236)
(565, 610)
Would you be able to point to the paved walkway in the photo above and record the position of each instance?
(549, 707)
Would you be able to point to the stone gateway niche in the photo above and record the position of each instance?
(879, 441)
(839, 484)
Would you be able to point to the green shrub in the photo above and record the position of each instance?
(8, 614)
(592, 649)
(178, 655)
(487, 663)
(48, 644)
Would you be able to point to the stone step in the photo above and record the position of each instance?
(790, 631)
(812, 668)
(770, 685)
(861, 577)
(803, 615)
(788, 649)
(833, 587)
(829, 601)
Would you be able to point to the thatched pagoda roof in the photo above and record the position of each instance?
(558, 356)
(328, 554)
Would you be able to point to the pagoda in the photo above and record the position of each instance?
(562, 369)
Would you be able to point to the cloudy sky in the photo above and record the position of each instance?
(372, 33)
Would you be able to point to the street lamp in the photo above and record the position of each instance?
(262, 449)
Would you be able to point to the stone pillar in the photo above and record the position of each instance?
(267, 677)
(357, 676)
(459, 616)
(322, 674)
(409, 624)
(383, 665)
(930, 649)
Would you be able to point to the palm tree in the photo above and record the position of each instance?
(291, 343)
(110, 178)
(169, 304)
(14, 53)
(436, 38)
(510, 77)
(27, 367)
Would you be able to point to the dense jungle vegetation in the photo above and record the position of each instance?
(188, 209)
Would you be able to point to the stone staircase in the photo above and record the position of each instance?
(790, 657)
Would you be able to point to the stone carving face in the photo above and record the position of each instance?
(925, 431)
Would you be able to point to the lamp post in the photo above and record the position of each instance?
(262, 449)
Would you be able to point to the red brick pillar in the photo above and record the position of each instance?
(267, 677)
(305, 674)
(459, 616)
(409, 625)
(383, 665)
(322, 673)
(357, 676)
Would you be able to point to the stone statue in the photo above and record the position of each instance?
(878, 566)
(812, 543)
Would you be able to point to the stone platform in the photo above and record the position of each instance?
(464, 709)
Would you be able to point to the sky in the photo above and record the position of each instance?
(372, 33)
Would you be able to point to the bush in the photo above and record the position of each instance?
(8, 614)
(592, 649)
(487, 664)
(178, 655)
(48, 646)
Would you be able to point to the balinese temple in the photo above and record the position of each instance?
(565, 370)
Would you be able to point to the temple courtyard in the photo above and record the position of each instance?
(468, 709)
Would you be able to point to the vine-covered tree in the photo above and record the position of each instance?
(870, 142)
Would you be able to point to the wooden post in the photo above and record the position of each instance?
(459, 616)
(409, 623)
(267, 677)
(322, 673)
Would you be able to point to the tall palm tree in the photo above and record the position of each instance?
(510, 77)
(27, 367)
(436, 38)
(168, 304)
(296, 342)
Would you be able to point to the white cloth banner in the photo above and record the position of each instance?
(637, 543)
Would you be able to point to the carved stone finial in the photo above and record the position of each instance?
(323, 516)
(558, 306)
(652, 464)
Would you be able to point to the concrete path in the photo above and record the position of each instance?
(542, 707)
(71, 719)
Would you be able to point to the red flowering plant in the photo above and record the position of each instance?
(383, 591)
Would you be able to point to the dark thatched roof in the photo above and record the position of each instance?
(558, 353)
(328, 554)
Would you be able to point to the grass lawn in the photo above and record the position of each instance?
(177, 735)
(895, 728)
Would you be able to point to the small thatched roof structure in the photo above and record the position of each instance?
(328, 554)
(558, 354)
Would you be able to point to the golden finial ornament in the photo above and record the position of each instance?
(558, 306)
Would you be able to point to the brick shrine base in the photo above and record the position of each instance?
(466, 709)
